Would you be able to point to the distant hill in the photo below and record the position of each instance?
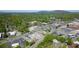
(60, 11)
(42, 11)
(55, 11)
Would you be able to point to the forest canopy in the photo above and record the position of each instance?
(20, 21)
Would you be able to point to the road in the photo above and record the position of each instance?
(37, 43)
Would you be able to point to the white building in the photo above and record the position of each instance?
(15, 44)
(0, 35)
(76, 42)
(12, 33)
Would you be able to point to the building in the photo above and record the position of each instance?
(72, 36)
(1, 35)
(16, 42)
(63, 31)
(76, 43)
(15, 45)
(12, 33)
(73, 25)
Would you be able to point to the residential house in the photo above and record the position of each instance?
(15, 45)
(16, 42)
(72, 36)
(75, 33)
(76, 43)
(12, 33)
(73, 25)
(1, 35)
(63, 31)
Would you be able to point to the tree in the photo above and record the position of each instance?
(78, 38)
(69, 41)
(61, 39)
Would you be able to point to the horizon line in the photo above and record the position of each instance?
(35, 10)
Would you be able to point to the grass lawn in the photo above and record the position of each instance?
(5, 45)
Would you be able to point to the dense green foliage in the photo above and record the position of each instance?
(48, 41)
(20, 21)
(78, 38)
(26, 43)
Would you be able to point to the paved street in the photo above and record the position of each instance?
(37, 43)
